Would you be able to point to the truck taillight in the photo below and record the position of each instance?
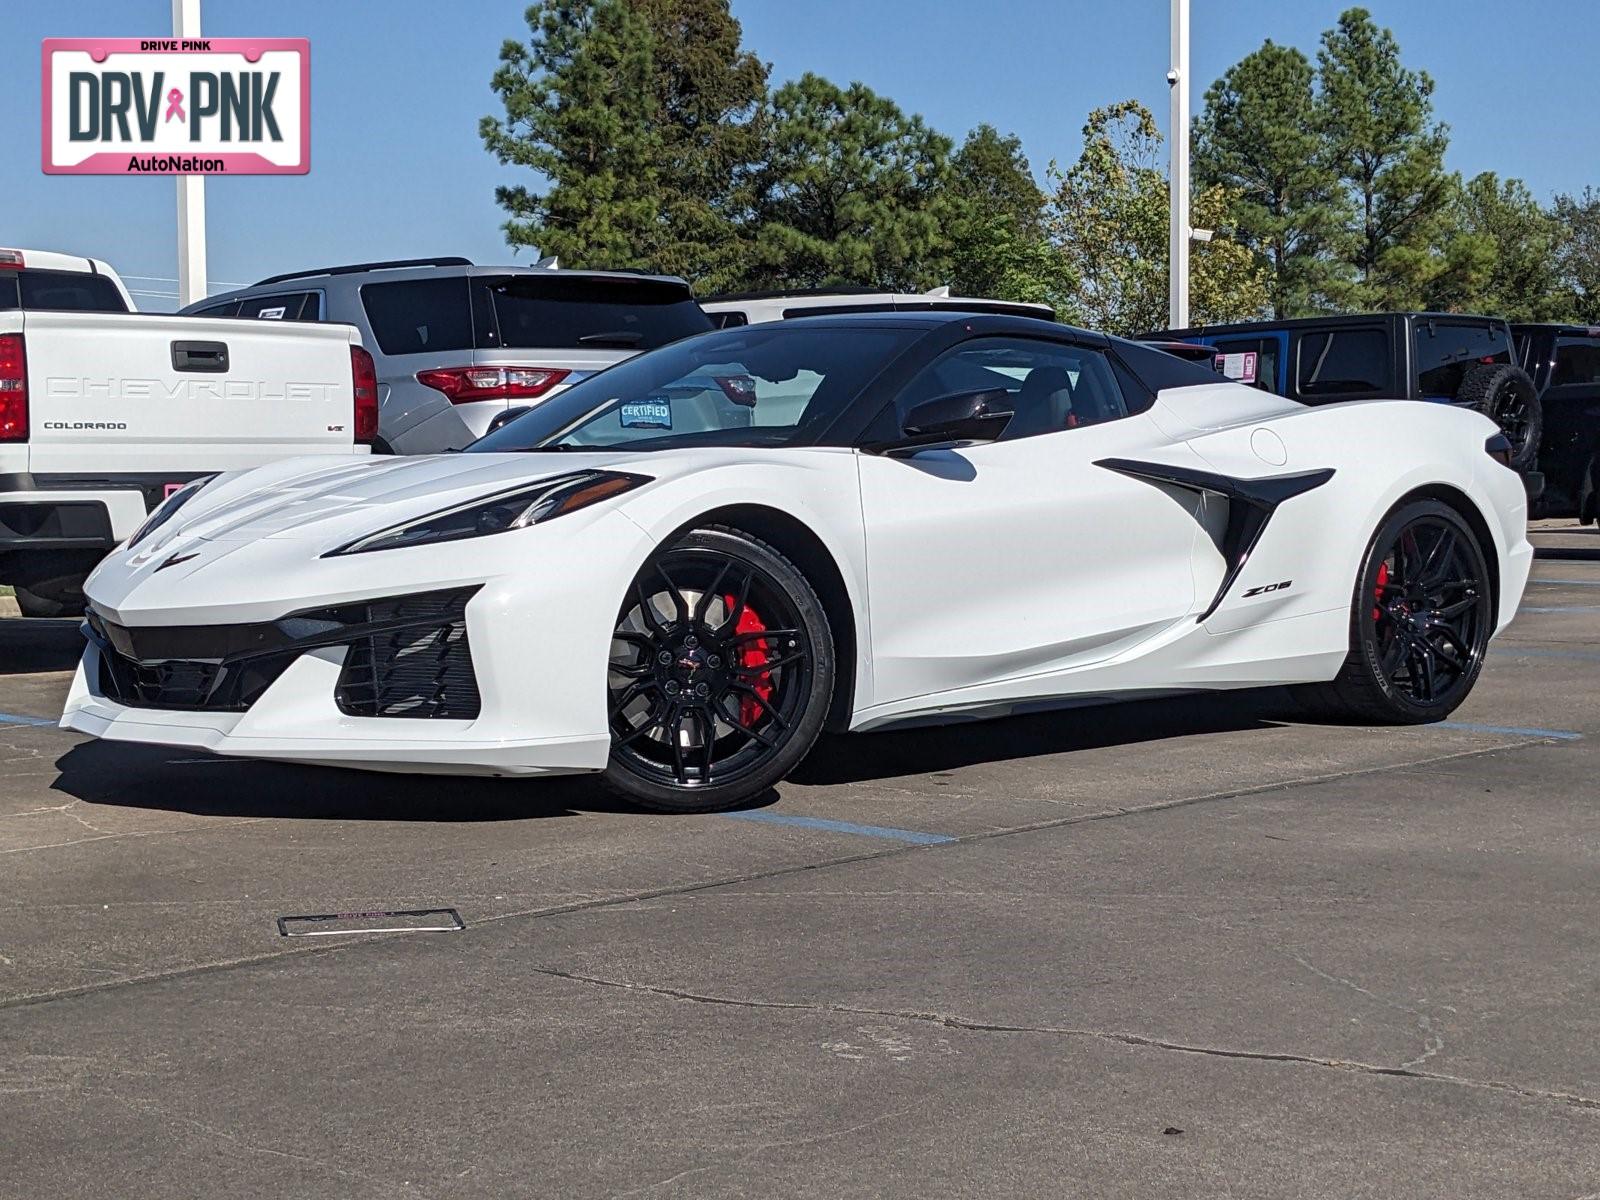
(11, 260)
(463, 385)
(364, 377)
(13, 389)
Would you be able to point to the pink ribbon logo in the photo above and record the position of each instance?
(175, 105)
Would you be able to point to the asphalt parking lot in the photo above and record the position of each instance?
(1175, 949)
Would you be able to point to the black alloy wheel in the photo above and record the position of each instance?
(1423, 615)
(720, 673)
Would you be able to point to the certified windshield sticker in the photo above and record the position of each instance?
(646, 414)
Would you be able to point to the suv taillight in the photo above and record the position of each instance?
(13, 389)
(463, 385)
(12, 260)
(364, 377)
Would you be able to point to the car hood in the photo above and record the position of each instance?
(311, 500)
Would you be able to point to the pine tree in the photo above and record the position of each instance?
(641, 115)
(1259, 135)
(853, 192)
(998, 245)
(581, 110)
(1378, 116)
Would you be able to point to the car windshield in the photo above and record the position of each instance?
(778, 384)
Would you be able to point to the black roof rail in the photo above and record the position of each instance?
(356, 268)
(782, 293)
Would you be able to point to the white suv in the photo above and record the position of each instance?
(754, 308)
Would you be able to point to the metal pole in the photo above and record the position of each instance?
(191, 188)
(1178, 248)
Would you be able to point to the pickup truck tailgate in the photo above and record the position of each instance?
(125, 393)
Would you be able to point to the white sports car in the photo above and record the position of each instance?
(680, 571)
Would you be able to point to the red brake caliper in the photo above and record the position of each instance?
(1383, 582)
(753, 654)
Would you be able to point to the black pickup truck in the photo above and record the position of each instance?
(1445, 358)
(1564, 361)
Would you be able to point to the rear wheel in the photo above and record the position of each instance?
(1420, 624)
(720, 674)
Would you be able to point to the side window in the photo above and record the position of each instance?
(291, 306)
(228, 308)
(1051, 386)
(1343, 362)
(1250, 360)
(731, 319)
(1446, 352)
(1577, 362)
(420, 316)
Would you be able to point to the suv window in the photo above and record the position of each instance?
(1342, 362)
(60, 291)
(292, 306)
(1052, 386)
(419, 316)
(1445, 352)
(228, 308)
(1577, 362)
(556, 312)
(1266, 361)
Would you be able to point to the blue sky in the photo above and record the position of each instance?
(398, 87)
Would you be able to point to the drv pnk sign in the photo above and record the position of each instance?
(165, 106)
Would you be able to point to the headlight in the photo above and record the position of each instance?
(165, 511)
(527, 505)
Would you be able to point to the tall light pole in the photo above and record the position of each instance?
(191, 188)
(1178, 246)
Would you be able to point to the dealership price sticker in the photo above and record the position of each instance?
(169, 106)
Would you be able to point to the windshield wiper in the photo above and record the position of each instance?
(621, 337)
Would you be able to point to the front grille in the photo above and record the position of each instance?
(408, 657)
(421, 670)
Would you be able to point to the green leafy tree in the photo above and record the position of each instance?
(709, 98)
(1260, 136)
(641, 116)
(581, 111)
(1378, 116)
(1577, 255)
(998, 246)
(853, 191)
(1109, 218)
(1499, 256)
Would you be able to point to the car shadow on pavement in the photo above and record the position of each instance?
(30, 646)
(176, 780)
(859, 758)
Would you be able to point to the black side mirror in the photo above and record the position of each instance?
(978, 416)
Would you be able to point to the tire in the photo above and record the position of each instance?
(1506, 395)
(720, 675)
(51, 598)
(1423, 583)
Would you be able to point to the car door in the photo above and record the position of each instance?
(1005, 562)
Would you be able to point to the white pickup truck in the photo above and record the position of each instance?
(104, 412)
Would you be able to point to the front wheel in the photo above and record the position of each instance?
(720, 674)
(1420, 624)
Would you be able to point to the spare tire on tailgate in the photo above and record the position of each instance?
(1505, 394)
